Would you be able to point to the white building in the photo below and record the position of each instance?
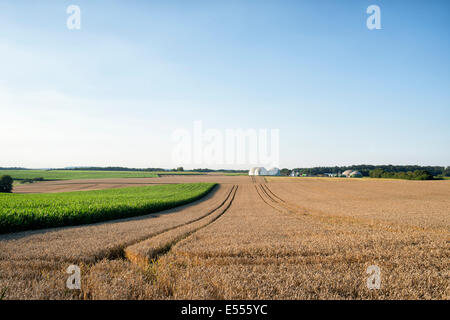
(352, 174)
(356, 174)
(261, 171)
(347, 173)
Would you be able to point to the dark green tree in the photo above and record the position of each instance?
(6, 184)
(446, 172)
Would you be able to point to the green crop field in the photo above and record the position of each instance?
(20, 212)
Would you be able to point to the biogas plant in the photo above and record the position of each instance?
(261, 171)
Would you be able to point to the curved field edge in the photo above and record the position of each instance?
(21, 212)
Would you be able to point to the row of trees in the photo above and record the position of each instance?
(365, 169)
(409, 175)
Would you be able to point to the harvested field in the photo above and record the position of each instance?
(252, 239)
(266, 247)
(421, 204)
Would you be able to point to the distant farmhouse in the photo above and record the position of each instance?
(295, 173)
(347, 174)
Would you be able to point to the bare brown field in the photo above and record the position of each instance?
(98, 184)
(282, 239)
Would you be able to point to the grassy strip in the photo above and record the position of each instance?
(20, 212)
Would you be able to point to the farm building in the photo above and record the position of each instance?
(355, 174)
(261, 171)
(274, 171)
(352, 174)
(347, 173)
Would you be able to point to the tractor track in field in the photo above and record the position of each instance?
(149, 250)
(274, 201)
(271, 199)
(271, 203)
(273, 194)
(145, 254)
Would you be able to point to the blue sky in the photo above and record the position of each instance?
(113, 92)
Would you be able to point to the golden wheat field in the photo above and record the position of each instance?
(251, 238)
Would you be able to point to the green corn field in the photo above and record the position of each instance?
(20, 212)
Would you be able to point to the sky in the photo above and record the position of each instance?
(114, 92)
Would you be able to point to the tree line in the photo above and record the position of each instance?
(409, 175)
(366, 169)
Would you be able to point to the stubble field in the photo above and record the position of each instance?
(251, 238)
